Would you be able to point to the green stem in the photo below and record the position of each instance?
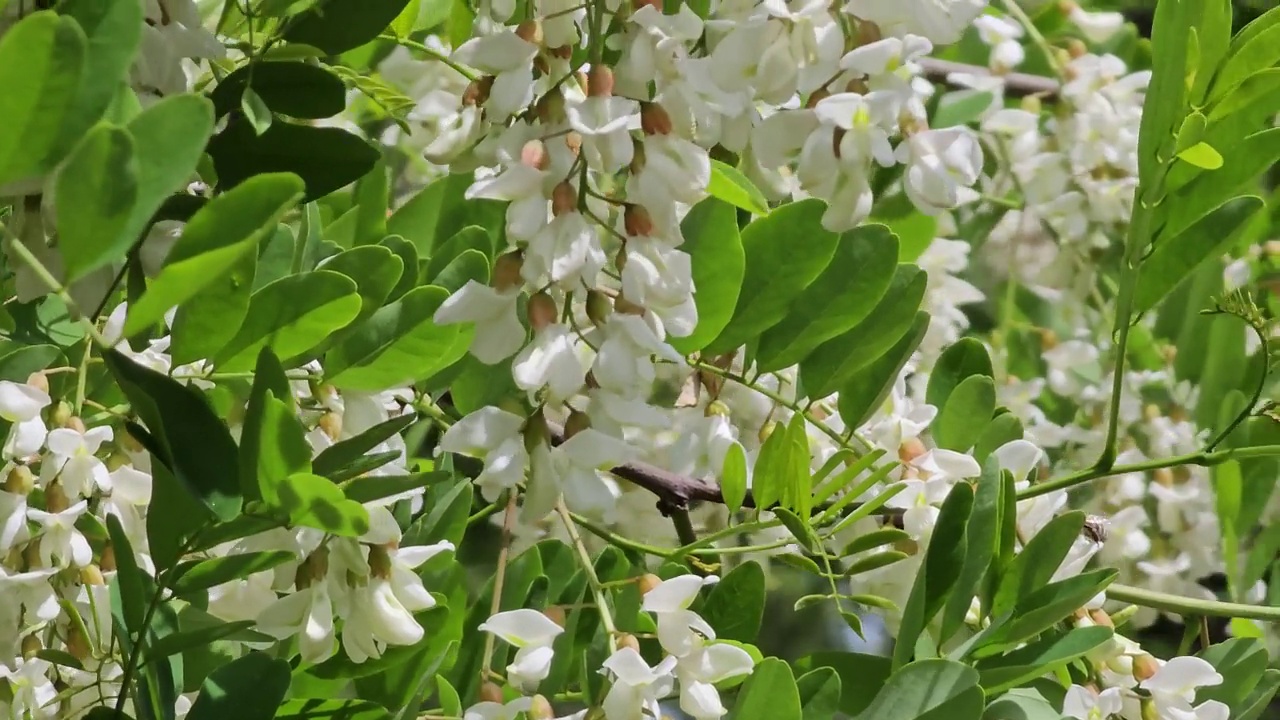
(23, 252)
(618, 541)
(730, 531)
(434, 54)
(588, 567)
(1186, 606)
(1204, 459)
(1257, 392)
(1124, 307)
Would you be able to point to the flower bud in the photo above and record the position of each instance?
(600, 81)
(1144, 666)
(1031, 104)
(564, 199)
(656, 4)
(77, 644)
(577, 422)
(540, 709)
(868, 32)
(638, 157)
(907, 546)
(857, 85)
(490, 692)
(837, 135)
(31, 554)
(716, 407)
(536, 431)
(1101, 617)
(573, 141)
(1149, 710)
(626, 307)
(506, 271)
(816, 97)
(591, 382)
(542, 311)
(627, 640)
(55, 499)
(330, 424)
(1122, 616)
(911, 449)
(477, 93)
(637, 221)
(1163, 476)
(75, 423)
(564, 52)
(39, 381)
(62, 414)
(598, 307)
(129, 443)
(379, 562)
(91, 575)
(534, 154)
(1076, 48)
(31, 645)
(1048, 339)
(550, 108)
(555, 614)
(108, 559)
(20, 481)
(766, 430)
(654, 119)
(530, 31)
(648, 582)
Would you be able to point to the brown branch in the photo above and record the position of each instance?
(1016, 84)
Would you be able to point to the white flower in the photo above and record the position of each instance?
(1084, 704)
(493, 435)
(509, 58)
(488, 710)
(59, 537)
(566, 251)
(498, 332)
(678, 627)
(1097, 27)
(307, 613)
(701, 669)
(13, 520)
(377, 618)
(1002, 35)
(33, 693)
(551, 361)
(660, 278)
(942, 166)
(941, 21)
(532, 633)
(602, 122)
(1180, 677)
(73, 461)
(21, 404)
(636, 688)
(573, 470)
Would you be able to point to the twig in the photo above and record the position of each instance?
(508, 528)
(1016, 84)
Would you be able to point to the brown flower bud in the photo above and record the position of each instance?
(598, 307)
(716, 407)
(75, 423)
(766, 430)
(542, 311)
(530, 31)
(490, 692)
(536, 431)
(55, 499)
(911, 449)
(108, 560)
(534, 154)
(564, 52)
(555, 613)
(550, 109)
(77, 644)
(577, 422)
(30, 646)
(506, 271)
(857, 85)
(600, 81)
(379, 562)
(564, 199)
(836, 136)
(62, 414)
(654, 119)
(637, 221)
(627, 640)
(648, 582)
(1076, 48)
(39, 381)
(330, 424)
(477, 93)
(1101, 617)
(540, 709)
(1163, 476)
(626, 307)
(1144, 666)
(20, 481)
(573, 141)
(638, 156)
(868, 32)
(816, 97)
(1048, 339)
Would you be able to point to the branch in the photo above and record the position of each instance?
(1016, 84)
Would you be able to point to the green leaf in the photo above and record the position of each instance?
(255, 111)
(960, 108)
(132, 581)
(406, 22)
(923, 687)
(325, 709)
(1174, 258)
(1025, 704)
(836, 361)
(18, 365)
(785, 251)
(861, 676)
(967, 356)
(769, 692)
(400, 343)
(1260, 699)
(450, 505)
(326, 158)
(1241, 662)
(981, 540)
(730, 185)
(470, 265)
(733, 477)
(371, 488)
(190, 439)
(1038, 561)
(213, 243)
(819, 693)
(297, 89)
(196, 575)
(472, 237)
(1255, 47)
(1202, 155)
(1040, 658)
(711, 239)
(343, 453)
(291, 316)
(735, 605)
(943, 561)
(169, 139)
(875, 562)
(374, 268)
(113, 31)
(250, 687)
(315, 502)
(337, 26)
(204, 324)
(371, 199)
(42, 60)
(280, 446)
(408, 255)
(1166, 93)
(967, 412)
(857, 277)
(1213, 35)
(187, 640)
(1003, 428)
(867, 390)
(874, 539)
(1046, 607)
(96, 190)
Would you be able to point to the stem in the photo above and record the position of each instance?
(1191, 606)
(597, 589)
(1203, 458)
(55, 287)
(508, 525)
(1257, 392)
(434, 54)
(1036, 36)
(1124, 307)
(618, 541)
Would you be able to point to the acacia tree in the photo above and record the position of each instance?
(427, 359)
